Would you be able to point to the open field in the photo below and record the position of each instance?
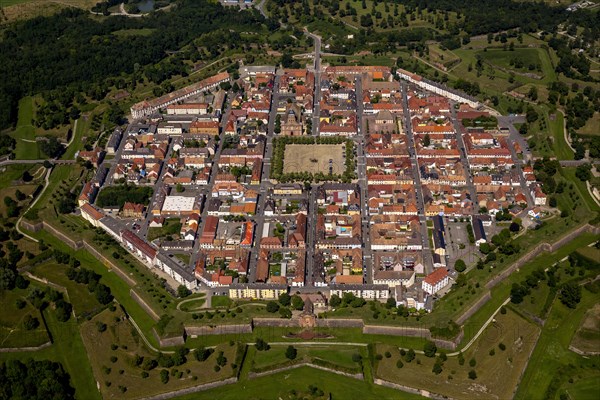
(280, 386)
(497, 374)
(314, 158)
(587, 337)
(120, 332)
(585, 389)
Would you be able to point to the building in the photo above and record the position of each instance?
(148, 107)
(367, 292)
(138, 246)
(394, 278)
(436, 281)
(176, 205)
(187, 109)
(176, 269)
(254, 291)
(91, 214)
(478, 230)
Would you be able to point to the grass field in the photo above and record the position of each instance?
(280, 386)
(502, 58)
(592, 127)
(338, 355)
(67, 348)
(585, 389)
(24, 134)
(551, 359)
(587, 337)
(78, 294)
(120, 332)
(313, 158)
(497, 374)
(12, 332)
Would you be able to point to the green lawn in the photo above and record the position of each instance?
(280, 385)
(171, 226)
(502, 58)
(220, 301)
(24, 134)
(551, 356)
(585, 389)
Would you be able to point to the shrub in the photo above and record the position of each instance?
(164, 376)
(410, 355)
(217, 368)
(101, 326)
(472, 362)
(502, 346)
(472, 374)
(388, 354)
(492, 352)
(30, 323)
(430, 349)
(291, 353)
(437, 368)
(113, 359)
(202, 354)
(399, 364)
(356, 357)
(145, 374)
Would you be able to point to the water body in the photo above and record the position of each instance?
(146, 6)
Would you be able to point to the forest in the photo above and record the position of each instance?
(74, 51)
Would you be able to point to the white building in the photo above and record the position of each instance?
(436, 281)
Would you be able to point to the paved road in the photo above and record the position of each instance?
(427, 257)
(463, 157)
(317, 93)
(361, 167)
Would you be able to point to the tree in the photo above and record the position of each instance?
(202, 353)
(285, 312)
(514, 227)
(221, 359)
(30, 323)
(390, 303)
(437, 368)
(426, 140)
(472, 374)
(430, 349)
(570, 294)
(164, 376)
(291, 353)
(409, 356)
(584, 172)
(335, 301)
(261, 345)
(183, 291)
(285, 299)
(297, 302)
(272, 307)
(460, 265)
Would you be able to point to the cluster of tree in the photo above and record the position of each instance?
(347, 300)
(51, 147)
(92, 280)
(40, 299)
(28, 48)
(119, 195)
(285, 304)
(569, 64)
(545, 169)
(518, 291)
(35, 380)
(7, 144)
